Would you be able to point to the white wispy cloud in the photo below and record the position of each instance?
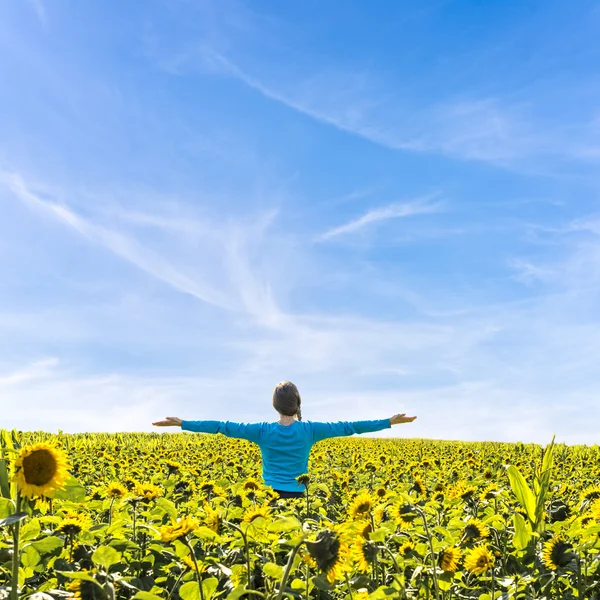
(121, 245)
(384, 213)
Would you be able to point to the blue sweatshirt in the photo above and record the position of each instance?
(285, 448)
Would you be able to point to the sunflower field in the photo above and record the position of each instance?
(170, 516)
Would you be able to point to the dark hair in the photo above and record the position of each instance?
(286, 399)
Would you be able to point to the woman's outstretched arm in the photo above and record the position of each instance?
(250, 431)
(322, 431)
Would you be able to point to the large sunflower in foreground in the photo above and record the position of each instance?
(40, 469)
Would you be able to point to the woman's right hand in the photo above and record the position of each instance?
(169, 422)
(401, 418)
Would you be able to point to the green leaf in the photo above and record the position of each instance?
(78, 575)
(106, 556)
(168, 506)
(30, 530)
(236, 593)
(30, 557)
(190, 591)
(72, 490)
(4, 479)
(47, 544)
(206, 533)
(146, 596)
(7, 507)
(321, 583)
(13, 519)
(522, 491)
(523, 532)
(273, 570)
(209, 586)
(285, 524)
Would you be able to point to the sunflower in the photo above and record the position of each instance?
(72, 524)
(172, 467)
(419, 487)
(189, 563)
(178, 529)
(381, 493)
(361, 505)
(556, 553)
(590, 493)
(257, 512)
(251, 484)
(449, 559)
(403, 514)
(212, 519)
(475, 529)
(479, 560)
(595, 508)
(40, 469)
(364, 554)
(147, 491)
(363, 529)
(406, 549)
(303, 479)
(330, 550)
(115, 490)
(489, 493)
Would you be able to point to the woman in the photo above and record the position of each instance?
(285, 445)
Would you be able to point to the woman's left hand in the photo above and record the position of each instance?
(169, 422)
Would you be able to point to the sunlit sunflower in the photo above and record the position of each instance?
(479, 560)
(188, 561)
(406, 549)
(115, 490)
(362, 528)
(381, 493)
(361, 505)
(595, 509)
(403, 514)
(364, 554)
(256, 512)
(251, 484)
(72, 524)
(555, 553)
(489, 493)
(303, 480)
(212, 519)
(449, 559)
(40, 469)
(475, 530)
(330, 550)
(419, 487)
(178, 529)
(147, 491)
(590, 493)
(172, 467)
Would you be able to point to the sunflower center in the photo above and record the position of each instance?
(39, 467)
(482, 561)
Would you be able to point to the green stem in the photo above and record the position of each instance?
(349, 588)
(286, 573)
(434, 569)
(15, 558)
(198, 578)
(246, 548)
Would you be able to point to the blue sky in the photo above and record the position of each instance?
(394, 205)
